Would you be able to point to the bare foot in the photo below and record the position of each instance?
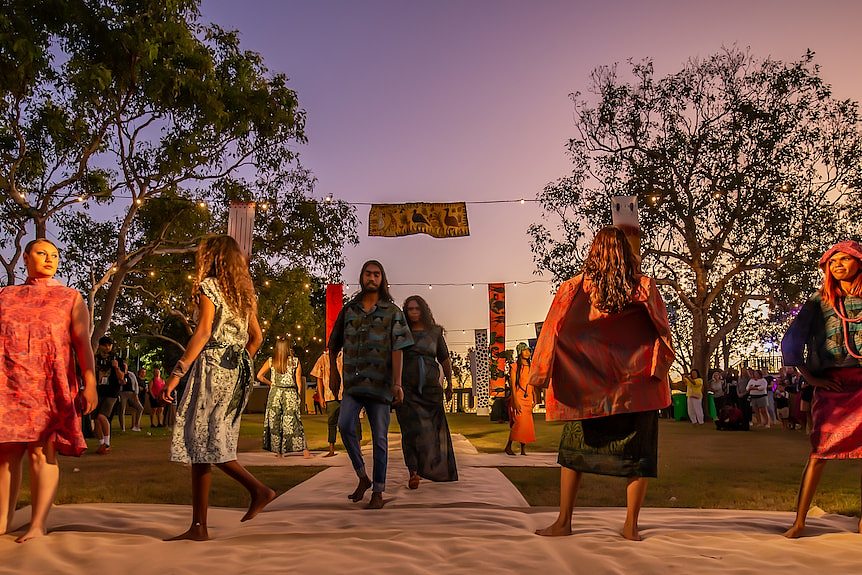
(413, 482)
(555, 529)
(306, 454)
(376, 501)
(258, 502)
(330, 454)
(32, 533)
(523, 452)
(196, 532)
(509, 452)
(359, 492)
(631, 533)
(795, 531)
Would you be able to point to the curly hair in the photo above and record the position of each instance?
(219, 257)
(612, 267)
(425, 315)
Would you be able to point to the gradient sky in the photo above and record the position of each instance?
(468, 101)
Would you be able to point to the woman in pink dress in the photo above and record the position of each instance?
(41, 324)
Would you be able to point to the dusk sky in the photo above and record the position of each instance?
(468, 101)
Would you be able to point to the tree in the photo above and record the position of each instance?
(741, 167)
(176, 116)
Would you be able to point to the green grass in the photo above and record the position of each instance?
(698, 466)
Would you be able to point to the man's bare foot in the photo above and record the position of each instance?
(376, 501)
(795, 531)
(330, 454)
(32, 533)
(258, 502)
(555, 529)
(359, 492)
(196, 532)
(631, 533)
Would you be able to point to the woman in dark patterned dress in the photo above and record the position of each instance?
(425, 439)
(282, 425)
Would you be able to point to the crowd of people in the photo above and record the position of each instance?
(603, 358)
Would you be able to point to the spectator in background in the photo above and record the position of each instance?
(694, 396)
(129, 395)
(716, 386)
(757, 391)
(110, 374)
(782, 406)
(156, 404)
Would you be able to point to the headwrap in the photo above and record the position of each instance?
(848, 247)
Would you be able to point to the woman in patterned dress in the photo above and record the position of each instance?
(42, 325)
(829, 325)
(282, 426)
(218, 356)
(605, 350)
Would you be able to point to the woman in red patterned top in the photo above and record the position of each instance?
(41, 324)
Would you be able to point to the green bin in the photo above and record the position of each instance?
(680, 409)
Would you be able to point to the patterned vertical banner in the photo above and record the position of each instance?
(334, 303)
(624, 214)
(480, 373)
(538, 327)
(240, 225)
(497, 338)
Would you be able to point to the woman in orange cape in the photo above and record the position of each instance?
(520, 402)
(605, 350)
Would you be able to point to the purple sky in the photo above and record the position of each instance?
(468, 100)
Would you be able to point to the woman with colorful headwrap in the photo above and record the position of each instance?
(829, 324)
(521, 423)
(605, 350)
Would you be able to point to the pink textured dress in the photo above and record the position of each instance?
(38, 384)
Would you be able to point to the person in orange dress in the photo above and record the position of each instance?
(605, 351)
(44, 329)
(523, 430)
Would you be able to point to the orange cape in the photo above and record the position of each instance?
(600, 364)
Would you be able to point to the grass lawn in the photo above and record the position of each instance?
(698, 467)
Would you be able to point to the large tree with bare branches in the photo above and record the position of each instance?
(742, 168)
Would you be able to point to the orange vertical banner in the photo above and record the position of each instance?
(497, 338)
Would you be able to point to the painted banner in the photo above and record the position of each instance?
(538, 327)
(497, 338)
(480, 373)
(436, 220)
(334, 303)
(624, 214)
(240, 225)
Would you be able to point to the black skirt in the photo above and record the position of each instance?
(622, 445)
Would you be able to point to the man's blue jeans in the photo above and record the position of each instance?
(378, 418)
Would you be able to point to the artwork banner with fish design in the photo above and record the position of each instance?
(436, 220)
(497, 338)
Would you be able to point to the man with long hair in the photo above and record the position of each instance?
(830, 326)
(372, 331)
(605, 349)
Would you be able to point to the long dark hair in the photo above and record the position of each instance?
(425, 315)
(383, 290)
(612, 267)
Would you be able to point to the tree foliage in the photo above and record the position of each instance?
(742, 168)
(137, 125)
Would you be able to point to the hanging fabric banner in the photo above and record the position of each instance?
(436, 220)
(479, 372)
(538, 327)
(334, 303)
(497, 338)
(240, 225)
